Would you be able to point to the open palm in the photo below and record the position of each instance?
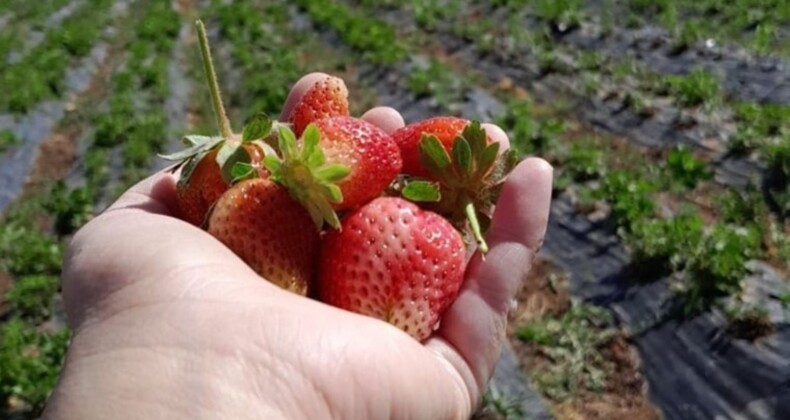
(169, 323)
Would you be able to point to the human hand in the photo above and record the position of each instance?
(169, 323)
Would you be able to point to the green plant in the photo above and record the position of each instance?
(764, 37)
(696, 88)
(560, 13)
(757, 123)
(629, 195)
(71, 208)
(684, 170)
(665, 243)
(498, 403)
(30, 362)
(31, 297)
(25, 250)
(435, 80)
(530, 134)
(583, 162)
(7, 139)
(718, 266)
(573, 344)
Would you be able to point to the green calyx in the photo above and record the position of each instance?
(469, 177)
(303, 171)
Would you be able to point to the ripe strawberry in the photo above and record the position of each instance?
(260, 222)
(274, 223)
(395, 262)
(326, 98)
(197, 191)
(446, 129)
(469, 172)
(207, 162)
(369, 152)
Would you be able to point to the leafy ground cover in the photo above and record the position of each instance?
(664, 193)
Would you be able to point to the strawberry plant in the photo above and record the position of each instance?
(683, 170)
(31, 363)
(31, 297)
(373, 38)
(696, 88)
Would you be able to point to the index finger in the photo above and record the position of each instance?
(473, 329)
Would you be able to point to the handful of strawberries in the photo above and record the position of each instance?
(330, 206)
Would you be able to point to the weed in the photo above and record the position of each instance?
(500, 404)
(572, 343)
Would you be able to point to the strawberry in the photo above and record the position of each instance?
(468, 173)
(369, 152)
(445, 129)
(326, 98)
(270, 231)
(393, 261)
(197, 190)
(273, 223)
(207, 162)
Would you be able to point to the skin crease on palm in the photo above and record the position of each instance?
(168, 323)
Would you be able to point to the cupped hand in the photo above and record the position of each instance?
(169, 323)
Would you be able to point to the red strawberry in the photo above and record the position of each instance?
(327, 98)
(260, 222)
(446, 129)
(273, 223)
(369, 152)
(395, 262)
(199, 189)
(468, 171)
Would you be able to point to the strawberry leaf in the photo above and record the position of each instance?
(433, 155)
(287, 143)
(462, 157)
(228, 156)
(421, 191)
(257, 127)
(333, 173)
(242, 171)
(487, 159)
(476, 136)
(303, 172)
(202, 145)
(193, 139)
(274, 165)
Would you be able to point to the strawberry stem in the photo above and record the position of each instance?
(474, 224)
(213, 85)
